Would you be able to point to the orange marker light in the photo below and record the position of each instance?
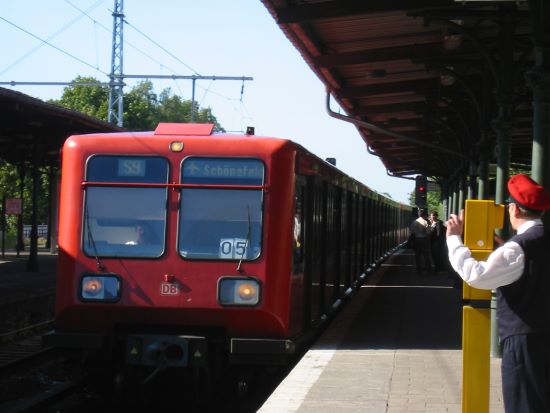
(92, 286)
(246, 291)
(239, 291)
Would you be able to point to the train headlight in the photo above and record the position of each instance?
(238, 291)
(100, 287)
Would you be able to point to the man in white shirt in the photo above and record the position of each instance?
(519, 271)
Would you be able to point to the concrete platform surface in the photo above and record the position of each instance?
(395, 348)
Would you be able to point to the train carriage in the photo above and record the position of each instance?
(183, 247)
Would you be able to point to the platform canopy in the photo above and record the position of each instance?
(425, 81)
(28, 124)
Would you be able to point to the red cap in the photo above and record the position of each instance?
(528, 194)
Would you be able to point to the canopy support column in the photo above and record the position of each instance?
(538, 79)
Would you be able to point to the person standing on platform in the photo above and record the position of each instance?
(519, 271)
(420, 230)
(437, 242)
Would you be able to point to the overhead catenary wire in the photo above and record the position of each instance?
(121, 81)
(126, 42)
(53, 46)
(160, 46)
(52, 36)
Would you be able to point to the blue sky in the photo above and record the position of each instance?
(209, 37)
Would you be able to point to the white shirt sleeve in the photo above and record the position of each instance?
(504, 266)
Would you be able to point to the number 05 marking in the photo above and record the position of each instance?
(232, 248)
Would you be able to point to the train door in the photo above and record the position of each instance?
(352, 225)
(368, 231)
(373, 231)
(350, 241)
(323, 239)
(358, 236)
(344, 241)
(309, 236)
(378, 230)
(315, 245)
(299, 285)
(385, 228)
(336, 243)
(361, 242)
(331, 273)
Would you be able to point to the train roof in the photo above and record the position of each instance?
(308, 163)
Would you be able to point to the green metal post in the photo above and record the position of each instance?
(483, 181)
(538, 79)
(472, 178)
(456, 201)
(461, 193)
(502, 125)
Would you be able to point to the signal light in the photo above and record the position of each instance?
(421, 191)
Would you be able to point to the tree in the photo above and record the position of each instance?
(173, 108)
(91, 100)
(10, 184)
(433, 201)
(143, 108)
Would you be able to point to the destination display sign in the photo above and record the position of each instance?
(110, 168)
(132, 167)
(224, 171)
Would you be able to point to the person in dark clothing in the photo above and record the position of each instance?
(420, 231)
(519, 271)
(437, 242)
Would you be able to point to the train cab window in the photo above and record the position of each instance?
(221, 208)
(125, 212)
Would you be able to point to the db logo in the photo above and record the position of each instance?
(169, 289)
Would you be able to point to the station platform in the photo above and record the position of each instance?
(26, 297)
(394, 348)
(17, 283)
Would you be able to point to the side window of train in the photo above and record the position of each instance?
(298, 227)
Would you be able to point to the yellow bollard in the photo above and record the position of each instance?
(480, 220)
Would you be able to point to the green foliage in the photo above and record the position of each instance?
(434, 201)
(91, 100)
(10, 187)
(143, 108)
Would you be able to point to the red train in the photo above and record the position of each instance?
(182, 247)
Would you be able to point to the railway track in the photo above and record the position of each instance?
(31, 377)
(36, 379)
(22, 346)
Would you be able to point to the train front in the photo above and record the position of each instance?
(163, 248)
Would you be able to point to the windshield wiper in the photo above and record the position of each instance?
(91, 242)
(248, 235)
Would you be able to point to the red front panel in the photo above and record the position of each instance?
(148, 296)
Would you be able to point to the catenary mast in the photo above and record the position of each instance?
(116, 107)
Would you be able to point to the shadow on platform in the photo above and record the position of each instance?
(10, 263)
(408, 311)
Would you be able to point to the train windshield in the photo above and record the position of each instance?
(125, 213)
(221, 209)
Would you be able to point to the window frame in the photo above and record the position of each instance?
(110, 184)
(262, 188)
